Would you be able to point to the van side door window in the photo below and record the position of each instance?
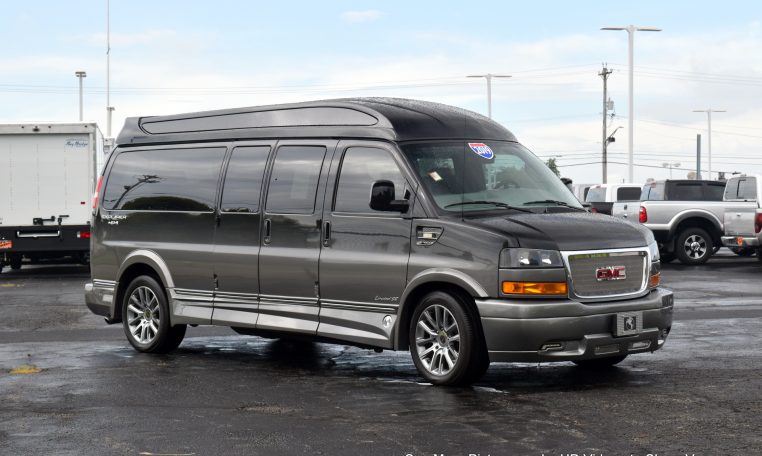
(363, 265)
(291, 228)
(236, 239)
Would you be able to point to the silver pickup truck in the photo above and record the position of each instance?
(686, 217)
(743, 216)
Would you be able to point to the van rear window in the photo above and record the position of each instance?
(164, 180)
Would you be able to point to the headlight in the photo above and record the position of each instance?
(653, 248)
(530, 258)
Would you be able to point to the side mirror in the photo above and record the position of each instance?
(382, 198)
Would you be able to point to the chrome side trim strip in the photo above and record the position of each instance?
(359, 306)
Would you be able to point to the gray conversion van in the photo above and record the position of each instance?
(382, 223)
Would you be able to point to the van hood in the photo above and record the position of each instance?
(566, 231)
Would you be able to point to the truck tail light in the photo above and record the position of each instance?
(643, 215)
(758, 222)
(593, 210)
(83, 235)
(97, 192)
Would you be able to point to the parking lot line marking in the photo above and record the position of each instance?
(25, 369)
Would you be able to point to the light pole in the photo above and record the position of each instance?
(631, 29)
(670, 165)
(489, 77)
(81, 75)
(709, 112)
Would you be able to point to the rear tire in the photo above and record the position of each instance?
(145, 317)
(694, 246)
(742, 251)
(15, 262)
(600, 363)
(759, 255)
(446, 341)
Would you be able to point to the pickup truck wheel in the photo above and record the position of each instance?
(694, 246)
(445, 341)
(759, 255)
(145, 317)
(600, 363)
(15, 262)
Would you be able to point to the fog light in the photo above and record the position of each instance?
(640, 345)
(552, 346)
(535, 288)
(607, 349)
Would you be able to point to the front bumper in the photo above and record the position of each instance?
(567, 330)
(740, 241)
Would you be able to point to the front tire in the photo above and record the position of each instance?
(694, 246)
(446, 342)
(145, 317)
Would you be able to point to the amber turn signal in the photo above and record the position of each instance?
(535, 288)
(654, 280)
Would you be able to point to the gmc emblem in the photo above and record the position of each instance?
(610, 273)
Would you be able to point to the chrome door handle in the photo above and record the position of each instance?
(326, 233)
(268, 229)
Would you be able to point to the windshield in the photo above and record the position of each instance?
(486, 175)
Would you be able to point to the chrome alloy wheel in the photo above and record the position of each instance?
(695, 246)
(143, 317)
(437, 339)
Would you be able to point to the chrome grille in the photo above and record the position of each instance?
(583, 269)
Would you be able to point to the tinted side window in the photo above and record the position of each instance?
(628, 194)
(731, 189)
(686, 192)
(714, 192)
(294, 179)
(243, 180)
(164, 180)
(595, 195)
(747, 188)
(361, 167)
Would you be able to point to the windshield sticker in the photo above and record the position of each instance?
(482, 150)
(434, 175)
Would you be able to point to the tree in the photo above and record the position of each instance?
(551, 163)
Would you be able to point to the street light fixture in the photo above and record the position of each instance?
(670, 165)
(631, 29)
(709, 112)
(489, 77)
(605, 165)
(81, 75)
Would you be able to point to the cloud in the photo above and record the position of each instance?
(361, 16)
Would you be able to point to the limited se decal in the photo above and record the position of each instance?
(482, 150)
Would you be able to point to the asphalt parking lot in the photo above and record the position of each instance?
(222, 393)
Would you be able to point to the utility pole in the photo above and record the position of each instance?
(698, 157)
(605, 72)
(489, 77)
(80, 75)
(109, 108)
(631, 29)
(709, 112)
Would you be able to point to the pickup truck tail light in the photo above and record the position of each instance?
(643, 215)
(758, 222)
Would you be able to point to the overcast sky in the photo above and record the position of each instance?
(179, 56)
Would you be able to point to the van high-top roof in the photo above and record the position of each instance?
(391, 119)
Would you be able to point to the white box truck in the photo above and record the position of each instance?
(48, 174)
